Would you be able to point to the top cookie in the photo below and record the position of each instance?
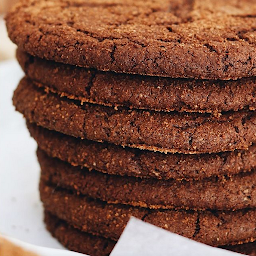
(209, 39)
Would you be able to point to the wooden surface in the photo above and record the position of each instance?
(7, 48)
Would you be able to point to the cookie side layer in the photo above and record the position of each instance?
(224, 193)
(165, 132)
(76, 240)
(108, 220)
(112, 159)
(141, 92)
(79, 241)
(247, 248)
(163, 38)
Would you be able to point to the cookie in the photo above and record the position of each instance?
(76, 240)
(108, 220)
(112, 159)
(224, 193)
(247, 248)
(158, 131)
(79, 241)
(141, 92)
(162, 38)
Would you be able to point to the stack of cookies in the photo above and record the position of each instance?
(141, 109)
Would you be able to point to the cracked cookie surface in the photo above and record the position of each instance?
(189, 38)
(141, 92)
(157, 131)
(221, 193)
(83, 242)
(109, 220)
(112, 159)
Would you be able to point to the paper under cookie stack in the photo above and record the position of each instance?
(162, 145)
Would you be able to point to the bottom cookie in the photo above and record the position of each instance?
(99, 218)
(79, 241)
(76, 240)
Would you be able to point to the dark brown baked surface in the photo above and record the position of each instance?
(223, 193)
(108, 220)
(79, 241)
(112, 159)
(199, 39)
(158, 131)
(76, 240)
(247, 248)
(141, 92)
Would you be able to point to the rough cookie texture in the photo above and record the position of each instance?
(112, 159)
(76, 240)
(141, 92)
(108, 220)
(166, 132)
(79, 241)
(199, 39)
(223, 193)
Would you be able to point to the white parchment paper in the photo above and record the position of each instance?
(141, 238)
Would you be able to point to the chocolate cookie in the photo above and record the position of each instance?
(247, 248)
(76, 240)
(158, 131)
(199, 39)
(112, 159)
(224, 193)
(108, 220)
(141, 92)
(79, 241)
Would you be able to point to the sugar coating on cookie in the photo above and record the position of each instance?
(156, 131)
(139, 92)
(113, 159)
(190, 39)
(218, 193)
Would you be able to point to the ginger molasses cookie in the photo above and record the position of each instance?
(109, 220)
(83, 242)
(158, 131)
(76, 240)
(161, 38)
(112, 159)
(141, 92)
(222, 193)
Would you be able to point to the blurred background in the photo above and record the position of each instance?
(7, 48)
(21, 213)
